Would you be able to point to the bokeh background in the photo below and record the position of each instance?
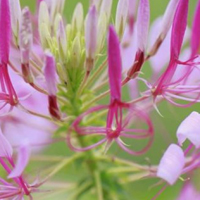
(165, 128)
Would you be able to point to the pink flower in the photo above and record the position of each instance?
(115, 125)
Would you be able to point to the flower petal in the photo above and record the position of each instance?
(5, 147)
(195, 38)
(5, 31)
(114, 64)
(171, 164)
(178, 28)
(22, 160)
(190, 129)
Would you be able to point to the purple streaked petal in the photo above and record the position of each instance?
(195, 38)
(50, 73)
(178, 28)
(5, 147)
(22, 160)
(143, 24)
(26, 35)
(5, 31)
(190, 129)
(171, 164)
(114, 64)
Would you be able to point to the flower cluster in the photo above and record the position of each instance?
(55, 77)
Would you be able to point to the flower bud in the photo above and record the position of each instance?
(76, 51)
(15, 10)
(44, 24)
(106, 7)
(96, 3)
(77, 19)
(61, 37)
(55, 7)
(121, 16)
(50, 76)
(101, 31)
(25, 43)
(91, 37)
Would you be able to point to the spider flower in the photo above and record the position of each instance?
(116, 123)
(170, 85)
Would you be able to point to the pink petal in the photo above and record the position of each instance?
(5, 31)
(161, 58)
(171, 164)
(190, 129)
(195, 38)
(128, 48)
(143, 24)
(114, 64)
(178, 28)
(22, 160)
(5, 147)
(189, 193)
(91, 32)
(50, 73)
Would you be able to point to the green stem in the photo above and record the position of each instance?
(98, 185)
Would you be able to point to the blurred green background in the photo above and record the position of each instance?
(165, 128)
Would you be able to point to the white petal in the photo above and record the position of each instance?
(171, 164)
(190, 129)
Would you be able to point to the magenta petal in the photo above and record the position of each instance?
(143, 24)
(114, 64)
(178, 28)
(22, 160)
(190, 129)
(195, 38)
(5, 147)
(171, 164)
(5, 31)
